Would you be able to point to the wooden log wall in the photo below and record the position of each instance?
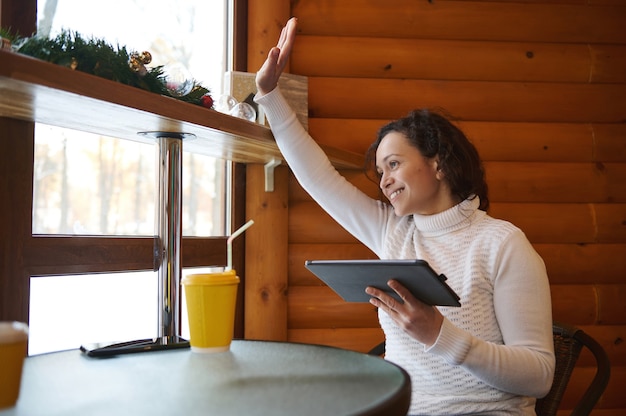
(540, 88)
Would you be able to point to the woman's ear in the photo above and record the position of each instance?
(438, 172)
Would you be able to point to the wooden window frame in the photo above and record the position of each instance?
(25, 255)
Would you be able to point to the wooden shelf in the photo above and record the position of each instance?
(38, 91)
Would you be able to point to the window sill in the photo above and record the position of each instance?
(39, 91)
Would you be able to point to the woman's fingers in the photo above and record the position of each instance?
(419, 320)
(285, 43)
(382, 300)
(402, 291)
(277, 58)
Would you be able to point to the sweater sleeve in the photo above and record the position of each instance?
(525, 364)
(320, 179)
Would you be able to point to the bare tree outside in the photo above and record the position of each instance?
(44, 26)
(63, 226)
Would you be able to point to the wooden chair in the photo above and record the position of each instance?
(568, 343)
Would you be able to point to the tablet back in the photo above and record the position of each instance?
(349, 278)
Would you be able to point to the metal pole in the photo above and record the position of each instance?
(169, 232)
(167, 255)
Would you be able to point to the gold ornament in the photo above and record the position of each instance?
(134, 64)
(138, 61)
(145, 57)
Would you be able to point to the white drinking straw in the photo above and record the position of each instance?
(229, 242)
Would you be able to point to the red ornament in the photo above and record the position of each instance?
(207, 101)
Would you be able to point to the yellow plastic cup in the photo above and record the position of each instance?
(13, 349)
(211, 300)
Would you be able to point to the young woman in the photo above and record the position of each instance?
(493, 355)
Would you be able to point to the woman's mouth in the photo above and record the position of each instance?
(395, 194)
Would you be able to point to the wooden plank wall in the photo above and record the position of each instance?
(539, 86)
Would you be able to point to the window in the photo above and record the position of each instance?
(87, 184)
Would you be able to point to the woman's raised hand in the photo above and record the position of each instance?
(277, 58)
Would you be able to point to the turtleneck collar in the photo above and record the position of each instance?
(457, 217)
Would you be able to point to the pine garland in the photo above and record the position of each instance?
(99, 58)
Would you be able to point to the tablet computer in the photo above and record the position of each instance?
(349, 278)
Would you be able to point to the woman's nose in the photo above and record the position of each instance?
(384, 181)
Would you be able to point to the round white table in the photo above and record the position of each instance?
(253, 378)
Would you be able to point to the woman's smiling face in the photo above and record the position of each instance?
(412, 183)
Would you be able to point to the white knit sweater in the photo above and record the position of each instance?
(495, 353)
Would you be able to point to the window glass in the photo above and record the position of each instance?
(187, 32)
(91, 184)
(94, 185)
(87, 184)
(69, 311)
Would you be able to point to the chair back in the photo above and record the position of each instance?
(568, 343)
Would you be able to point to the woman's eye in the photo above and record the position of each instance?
(393, 164)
